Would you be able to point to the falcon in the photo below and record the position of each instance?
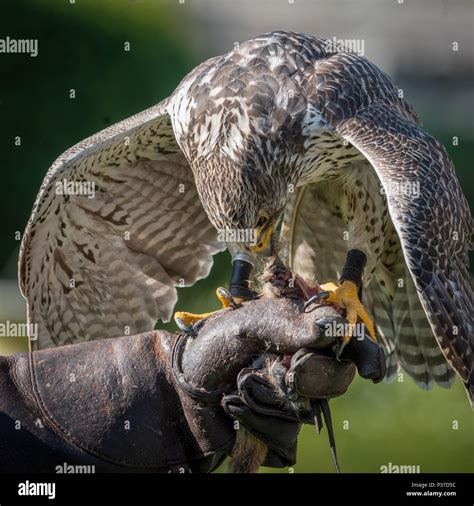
(284, 138)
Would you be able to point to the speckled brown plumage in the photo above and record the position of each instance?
(279, 121)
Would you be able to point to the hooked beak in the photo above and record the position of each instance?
(264, 233)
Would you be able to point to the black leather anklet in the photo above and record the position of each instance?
(354, 268)
(239, 281)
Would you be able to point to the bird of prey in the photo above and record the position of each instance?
(282, 135)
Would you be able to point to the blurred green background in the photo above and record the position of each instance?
(82, 46)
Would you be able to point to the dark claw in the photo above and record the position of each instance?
(314, 300)
(227, 295)
(188, 330)
(341, 347)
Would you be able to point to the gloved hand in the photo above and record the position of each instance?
(152, 402)
(270, 399)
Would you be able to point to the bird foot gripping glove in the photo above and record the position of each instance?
(186, 321)
(346, 297)
(239, 291)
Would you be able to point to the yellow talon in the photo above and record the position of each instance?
(190, 318)
(187, 319)
(223, 298)
(346, 296)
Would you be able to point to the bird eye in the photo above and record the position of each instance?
(261, 221)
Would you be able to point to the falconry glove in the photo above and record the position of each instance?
(160, 403)
(270, 399)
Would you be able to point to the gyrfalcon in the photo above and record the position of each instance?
(283, 127)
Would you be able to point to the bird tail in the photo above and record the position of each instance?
(378, 302)
(404, 328)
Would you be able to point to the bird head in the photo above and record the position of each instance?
(244, 205)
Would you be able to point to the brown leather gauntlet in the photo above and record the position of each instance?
(129, 404)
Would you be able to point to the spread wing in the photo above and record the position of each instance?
(359, 102)
(434, 227)
(116, 226)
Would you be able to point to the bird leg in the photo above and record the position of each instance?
(348, 296)
(239, 291)
(185, 320)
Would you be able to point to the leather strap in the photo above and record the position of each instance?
(199, 394)
(354, 267)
